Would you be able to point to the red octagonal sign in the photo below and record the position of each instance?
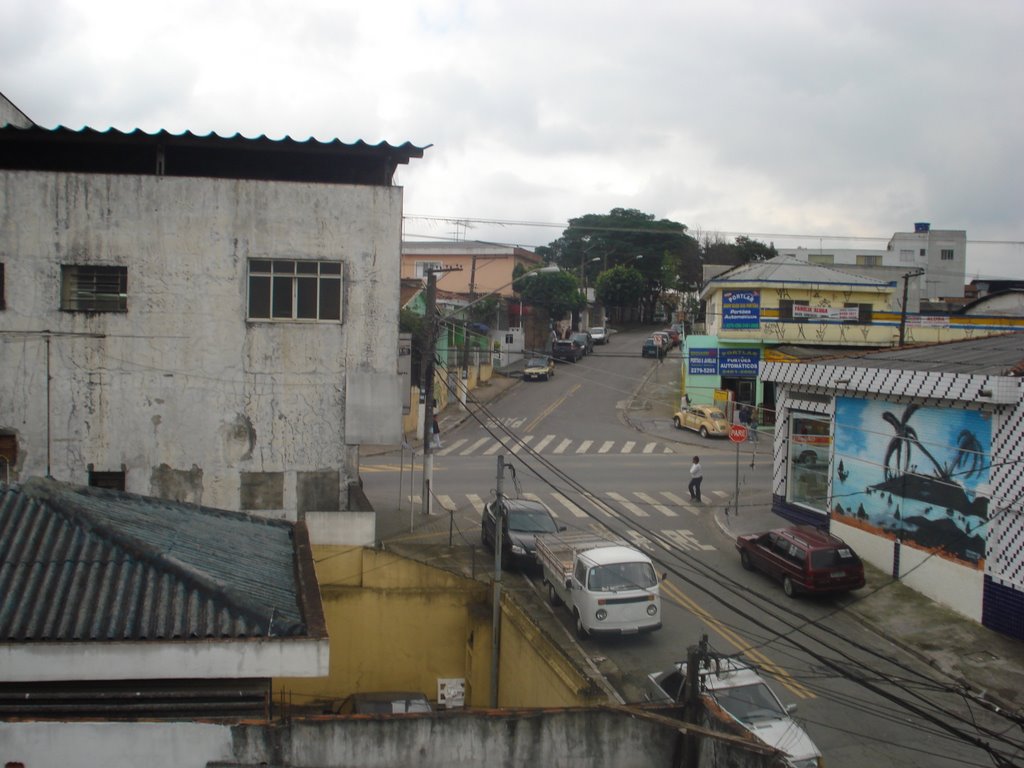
(738, 433)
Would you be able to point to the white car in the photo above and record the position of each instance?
(743, 694)
(599, 335)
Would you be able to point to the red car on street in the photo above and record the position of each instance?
(803, 558)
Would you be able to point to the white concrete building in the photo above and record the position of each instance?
(197, 318)
(941, 254)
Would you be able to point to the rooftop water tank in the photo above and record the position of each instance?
(922, 227)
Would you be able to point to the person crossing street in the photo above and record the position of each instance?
(696, 476)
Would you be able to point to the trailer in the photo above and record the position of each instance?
(608, 586)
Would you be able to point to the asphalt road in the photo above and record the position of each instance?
(572, 448)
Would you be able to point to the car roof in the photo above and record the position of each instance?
(525, 505)
(615, 554)
(813, 537)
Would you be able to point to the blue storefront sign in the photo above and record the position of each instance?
(703, 362)
(739, 362)
(741, 310)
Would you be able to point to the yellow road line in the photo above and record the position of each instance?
(676, 595)
(549, 410)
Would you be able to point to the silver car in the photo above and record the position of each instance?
(743, 694)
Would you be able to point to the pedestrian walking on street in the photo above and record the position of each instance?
(696, 475)
(436, 431)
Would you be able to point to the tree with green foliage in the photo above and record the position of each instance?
(556, 292)
(742, 251)
(621, 286)
(660, 250)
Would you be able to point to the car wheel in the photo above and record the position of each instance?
(787, 586)
(745, 560)
(553, 598)
(704, 432)
(581, 631)
(677, 422)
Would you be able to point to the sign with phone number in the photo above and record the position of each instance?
(703, 362)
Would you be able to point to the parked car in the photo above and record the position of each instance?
(811, 450)
(384, 702)
(706, 420)
(743, 694)
(539, 369)
(585, 340)
(803, 558)
(664, 339)
(599, 334)
(523, 520)
(652, 348)
(566, 349)
(673, 336)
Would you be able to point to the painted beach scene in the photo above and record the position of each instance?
(914, 473)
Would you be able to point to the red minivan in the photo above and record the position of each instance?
(803, 558)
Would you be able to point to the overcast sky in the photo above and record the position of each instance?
(852, 118)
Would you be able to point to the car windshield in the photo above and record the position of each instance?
(749, 702)
(530, 521)
(597, 331)
(615, 576)
(537, 362)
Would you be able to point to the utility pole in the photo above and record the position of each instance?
(903, 314)
(695, 656)
(499, 529)
(427, 371)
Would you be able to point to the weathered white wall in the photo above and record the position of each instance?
(149, 660)
(181, 390)
(578, 737)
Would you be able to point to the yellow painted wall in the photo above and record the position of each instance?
(477, 377)
(396, 624)
(882, 331)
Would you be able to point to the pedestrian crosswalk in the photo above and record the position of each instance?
(548, 444)
(639, 504)
(655, 514)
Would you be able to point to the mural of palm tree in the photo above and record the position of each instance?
(969, 459)
(897, 454)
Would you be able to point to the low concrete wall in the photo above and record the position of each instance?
(583, 738)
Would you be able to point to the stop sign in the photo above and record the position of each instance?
(738, 433)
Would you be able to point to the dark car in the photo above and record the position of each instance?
(566, 349)
(585, 341)
(523, 520)
(652, 348)
(803, 558)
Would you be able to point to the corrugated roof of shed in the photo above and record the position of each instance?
(89, 564)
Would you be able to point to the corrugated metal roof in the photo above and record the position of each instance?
(790, 270)
(81, 563)
(188, 154)
(1001, 355)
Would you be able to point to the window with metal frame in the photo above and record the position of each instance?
(3, 293)
(864, 313)
(946, 254)
(92, 288)
(287, 289)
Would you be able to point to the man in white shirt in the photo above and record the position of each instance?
(696, 476)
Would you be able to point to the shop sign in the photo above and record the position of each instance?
(739, 362)
(741, 310)
(703, 362)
